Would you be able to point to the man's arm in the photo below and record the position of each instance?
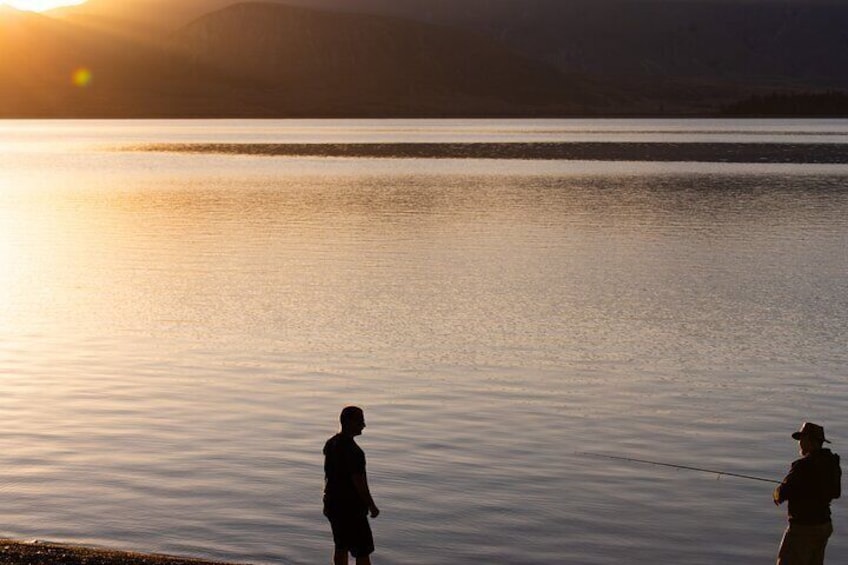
(360, 481)
(789, 485)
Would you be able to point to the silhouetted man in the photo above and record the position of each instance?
(813, 481)
(347, 499)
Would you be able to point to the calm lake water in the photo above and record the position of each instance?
(179, 332)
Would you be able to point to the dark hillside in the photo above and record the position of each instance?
(748, 40)
(128, 77)
(479, 57)
(271, 60)
(312, 62)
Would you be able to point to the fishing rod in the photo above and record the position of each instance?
(673, 466)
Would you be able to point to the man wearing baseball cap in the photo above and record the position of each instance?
(813, 481)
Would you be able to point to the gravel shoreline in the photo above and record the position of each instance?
(13, 552)
(817, 153)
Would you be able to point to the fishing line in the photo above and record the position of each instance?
(674, 466)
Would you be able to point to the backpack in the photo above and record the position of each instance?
(836, 478)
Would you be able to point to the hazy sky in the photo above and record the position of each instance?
(39, 5)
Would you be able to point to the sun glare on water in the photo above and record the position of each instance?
(40, 5)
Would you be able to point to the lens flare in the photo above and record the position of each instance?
(81, 77)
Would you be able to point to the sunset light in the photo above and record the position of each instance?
(40, 5)
(580, 264)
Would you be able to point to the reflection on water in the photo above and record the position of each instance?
(62, 135)
(177, 334)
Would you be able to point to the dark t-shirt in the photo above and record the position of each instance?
(342, 460)
(812, 482)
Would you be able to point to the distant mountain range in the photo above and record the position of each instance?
(335, 58)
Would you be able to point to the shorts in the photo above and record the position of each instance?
(352, 533)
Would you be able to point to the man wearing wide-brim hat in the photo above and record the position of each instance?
(813, 481)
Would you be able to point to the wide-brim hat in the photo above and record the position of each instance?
(812, 430)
